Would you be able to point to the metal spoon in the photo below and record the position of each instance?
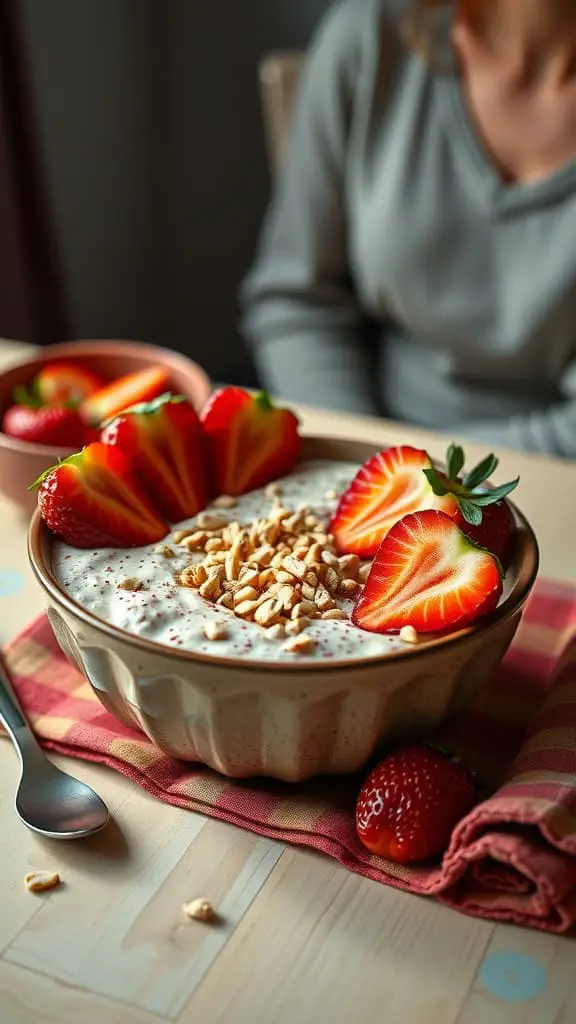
(47, 800)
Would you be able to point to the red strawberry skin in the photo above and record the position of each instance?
(94, 499)
(427, 574)
(167, 448)
(50, 425)
(496, 532)
(251, 441)
(388, 486)
(66, 382)
(411, 802)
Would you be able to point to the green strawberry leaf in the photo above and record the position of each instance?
(146, 408)
(470, 512)
(264, 401)
(481, 472)
(73, 460)
(454, 461)
(483, 498)
(22, 396)
(436, 482)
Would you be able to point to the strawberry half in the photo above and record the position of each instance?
(166, 445)
(252, 442)
(429, 575)
(57, 426)
(388, 486)
(66, 382)
(124, 392)
(481, 512)
(411, 802)
(94, 499)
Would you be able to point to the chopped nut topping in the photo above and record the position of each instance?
(409, 635)
(277, 632)
(199, 910)
(225, 501)
(132, 583)
(334, 613)
(296, 626)
(194, 541)
(348, 588)
(331, 495)
(211, 589)
(281, 570)
(211, 521)
(41, 881)
(302, 644)
(274, 490)
(214, 630)
(364, 572)
(164, 549)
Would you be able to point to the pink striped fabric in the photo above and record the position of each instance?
(512, 858)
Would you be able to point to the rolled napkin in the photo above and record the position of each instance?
(512, 858)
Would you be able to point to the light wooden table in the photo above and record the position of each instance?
(303, 940)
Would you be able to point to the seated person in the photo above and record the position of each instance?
(419, 257)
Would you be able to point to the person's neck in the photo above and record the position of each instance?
(537, 37)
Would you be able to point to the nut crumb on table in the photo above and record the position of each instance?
(41, 881)
(199, 910)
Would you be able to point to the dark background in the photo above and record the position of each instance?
(148, 125)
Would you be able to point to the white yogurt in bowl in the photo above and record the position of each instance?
(175, 616)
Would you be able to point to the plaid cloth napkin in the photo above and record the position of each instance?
(512, 858)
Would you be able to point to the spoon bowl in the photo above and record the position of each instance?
(48, 800)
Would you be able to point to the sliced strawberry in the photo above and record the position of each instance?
(480, 511)
(167, 448)
(57, 426)
(66, 382)
(94, 499)
(252, 442)
(387, 487)
(124, 392)
(429, 575)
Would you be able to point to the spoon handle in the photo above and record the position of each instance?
(11, 714)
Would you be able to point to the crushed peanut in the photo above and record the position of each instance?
(211, 521)
(274, 490)
(165, 550)
(132, 583)
(41, 881)
(199, 910)
(302, 644)
(281, 571)
(225, 501)
(214, 630)
(409, 635)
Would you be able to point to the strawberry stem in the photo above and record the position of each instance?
(263, 401)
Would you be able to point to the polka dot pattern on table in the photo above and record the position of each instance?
(10, 582)
(513, 977)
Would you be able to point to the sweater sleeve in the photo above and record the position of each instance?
(551, 431)
(301, 317)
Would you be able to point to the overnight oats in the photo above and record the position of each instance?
(210, 535)
(256, 576)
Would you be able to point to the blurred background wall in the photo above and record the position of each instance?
(150, 135)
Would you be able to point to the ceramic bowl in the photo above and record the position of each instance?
(21, 462)
(284, 720)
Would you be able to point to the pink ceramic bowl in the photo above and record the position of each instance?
(21, 462)
(283, 719)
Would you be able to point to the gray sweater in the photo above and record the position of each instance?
(397, 274)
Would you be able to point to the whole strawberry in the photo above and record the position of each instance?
(411, 802)
(54, 425)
